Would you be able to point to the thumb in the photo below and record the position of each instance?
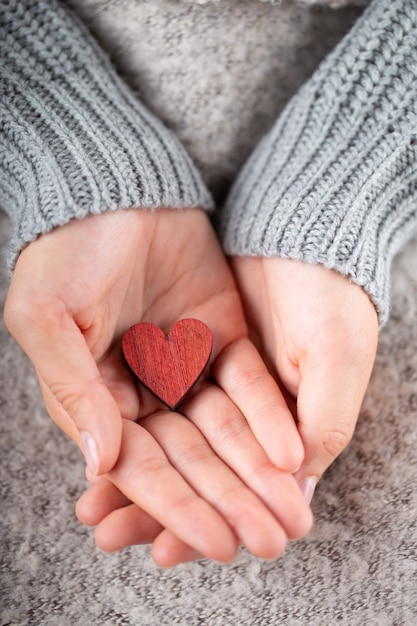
(330, 395)
(75, 394)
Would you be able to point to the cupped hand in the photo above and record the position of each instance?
(74, 293)
(167, 475)
(318, 332)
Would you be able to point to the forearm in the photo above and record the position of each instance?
(335, 181)
(74, 140)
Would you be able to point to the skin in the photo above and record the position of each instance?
(318, 333)
(203, 481)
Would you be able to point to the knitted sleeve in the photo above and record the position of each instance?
(74, 140)
(335, 180)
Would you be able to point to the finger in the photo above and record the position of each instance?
(145, 475)
(98, 502)
(231, 438)
(124, 527)
(130, 526)
(168, 550)
(255, 526)
(121, 524)
(240, 371)
(121, 383)
(68, 372)
(332, 386)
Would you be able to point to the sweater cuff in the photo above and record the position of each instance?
(335, 181)
(74, 140)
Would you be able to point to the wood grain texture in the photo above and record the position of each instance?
(168, 365)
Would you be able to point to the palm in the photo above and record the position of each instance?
(318, 333)
(155, 266)
(177, 271)
(121, 268)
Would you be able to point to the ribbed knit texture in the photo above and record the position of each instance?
(74, 140)
(335, 181)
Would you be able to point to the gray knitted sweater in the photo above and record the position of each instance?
(334, 181)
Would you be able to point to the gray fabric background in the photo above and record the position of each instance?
(357, 567)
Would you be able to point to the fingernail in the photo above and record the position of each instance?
(90, 451)
(307, 487)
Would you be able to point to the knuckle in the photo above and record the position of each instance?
(71, 398)
(194, 454)
(336, 440)
(184, 506)
(231, 430)
(267, 407)
(233, 502)
(247, 379)
(262, 474)
(234, 493)
(74, 398)
(256, 383)
(147, 469)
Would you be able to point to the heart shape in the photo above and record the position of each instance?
(168, 365)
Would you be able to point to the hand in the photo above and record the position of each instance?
(120, 524)
(318, 332)
(74, 293)
(153, 504)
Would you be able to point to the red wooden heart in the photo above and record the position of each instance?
(168, 365)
